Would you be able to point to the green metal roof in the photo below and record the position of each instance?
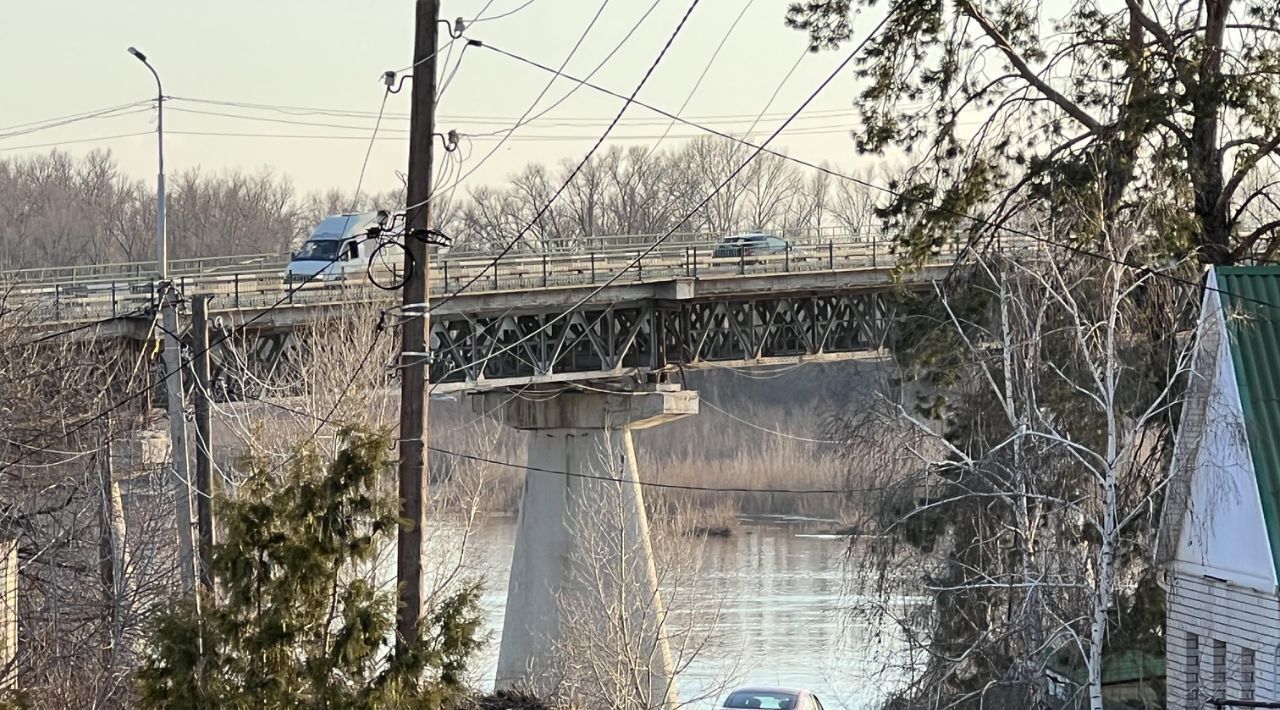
(1254, 330)
(1117, 667)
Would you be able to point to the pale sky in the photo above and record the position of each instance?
(68, 56)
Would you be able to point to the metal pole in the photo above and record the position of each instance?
(413, 333)
(172, 357)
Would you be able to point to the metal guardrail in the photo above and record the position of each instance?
(142, 270)
(276, 261)
(59, 303)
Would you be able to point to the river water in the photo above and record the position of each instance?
(783, 615)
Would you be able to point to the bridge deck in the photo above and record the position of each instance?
(543, 279)
(545, 318)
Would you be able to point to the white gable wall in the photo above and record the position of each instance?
(1222, 632)
(1224, 534)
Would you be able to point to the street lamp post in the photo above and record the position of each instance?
(162, 239)
(172, 358)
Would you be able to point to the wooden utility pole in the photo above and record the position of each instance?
(415, 327)
(178, 437)
(204, 432)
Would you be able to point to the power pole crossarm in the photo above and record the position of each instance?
(413, 332)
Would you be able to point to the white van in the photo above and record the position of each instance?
(339, 247)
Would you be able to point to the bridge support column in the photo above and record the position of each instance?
(583, 595)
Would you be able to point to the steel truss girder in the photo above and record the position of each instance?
(652, 335)
(607, 340)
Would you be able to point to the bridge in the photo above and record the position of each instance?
(566, 313)
(604, 310)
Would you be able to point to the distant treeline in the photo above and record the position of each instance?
(56, 210)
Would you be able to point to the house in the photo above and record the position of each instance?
(1220, 538)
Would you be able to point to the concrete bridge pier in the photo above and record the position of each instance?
(583, 597)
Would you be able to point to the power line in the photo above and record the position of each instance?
(881, 188)
(355, 199)
(78, 140)
(444, 85)
(596, 477)
(777, 90)
(73, 115)
(500, 120)
(111, 112)
(716, 53)
(582, 163)
(508, 13)
(284, 121)
(574, 50)
(824, 130)
(656, 484)
(401, 70)
(766, 429)
(659, 241)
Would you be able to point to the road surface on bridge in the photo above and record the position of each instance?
(554, 317)
(542, 278)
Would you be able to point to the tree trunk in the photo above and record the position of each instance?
(1205, 158)
(1102, 597)
(111, 557)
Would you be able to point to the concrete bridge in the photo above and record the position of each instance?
(602, 313)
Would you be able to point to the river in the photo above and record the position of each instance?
(783, 615)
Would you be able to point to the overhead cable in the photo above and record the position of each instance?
(881, 188)
(694, 210)
(525, 118)
(582, 163)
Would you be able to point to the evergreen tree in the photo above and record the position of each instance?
(294, 624)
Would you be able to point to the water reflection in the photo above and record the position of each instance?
(782, 620)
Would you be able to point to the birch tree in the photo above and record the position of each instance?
(1032, 517)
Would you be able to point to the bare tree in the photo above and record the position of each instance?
(1031, 523)
(632, 618)
(82, 494)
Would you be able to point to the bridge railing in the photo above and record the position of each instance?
(274, 262)
(480, 273)
(142, 270)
